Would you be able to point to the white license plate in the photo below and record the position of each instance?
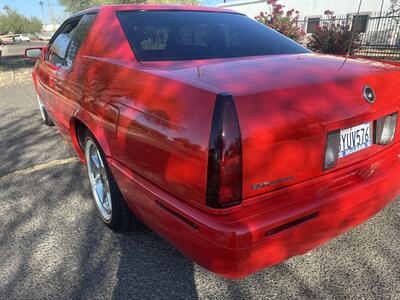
(355, 139)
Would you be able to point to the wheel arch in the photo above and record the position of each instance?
(79, 123)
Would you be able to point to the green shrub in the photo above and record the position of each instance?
(333, 37)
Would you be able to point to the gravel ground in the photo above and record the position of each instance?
(52, 245)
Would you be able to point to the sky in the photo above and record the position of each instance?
(32, 8)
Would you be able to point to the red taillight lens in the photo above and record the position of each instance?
(224, 174)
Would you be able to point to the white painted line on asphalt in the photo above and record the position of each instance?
(40, 167)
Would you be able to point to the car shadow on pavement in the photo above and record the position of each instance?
(53, 244)
(16, 62)
(52, 240)
(25, 142)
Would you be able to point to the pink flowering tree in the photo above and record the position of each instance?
(281, 21)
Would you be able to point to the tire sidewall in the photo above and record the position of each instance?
(43, 112)
(111, 182)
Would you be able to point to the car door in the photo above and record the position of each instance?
(68, 79)
(48, 68)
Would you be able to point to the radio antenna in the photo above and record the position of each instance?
(352, 34)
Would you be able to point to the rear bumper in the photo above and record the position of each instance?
(263, 234)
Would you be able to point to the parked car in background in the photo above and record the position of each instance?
(6, 39)
(21, 38)
(234, 143)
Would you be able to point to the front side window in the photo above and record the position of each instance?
(59, 44)
(189, 35)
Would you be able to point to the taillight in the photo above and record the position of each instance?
(385, 129)
(332, 149)
(224, 174)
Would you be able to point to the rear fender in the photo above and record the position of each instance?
(34, 78)
(91, 122)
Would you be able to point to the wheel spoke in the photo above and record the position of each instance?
(95, 160)
(96, 178)
(103, 195)
(99, 190)
(99, 159)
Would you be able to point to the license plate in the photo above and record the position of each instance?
(355, 139)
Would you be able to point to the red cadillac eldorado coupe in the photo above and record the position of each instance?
(234, 143)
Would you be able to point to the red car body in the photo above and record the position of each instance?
(153, 121)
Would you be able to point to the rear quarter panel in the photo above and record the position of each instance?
(164, 124)
(163, 128)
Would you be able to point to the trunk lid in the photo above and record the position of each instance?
(287, 104)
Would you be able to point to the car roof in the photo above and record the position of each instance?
(122, 7)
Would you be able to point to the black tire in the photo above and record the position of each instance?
(45, 116)
(121, 218)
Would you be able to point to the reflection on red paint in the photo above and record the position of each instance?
(154, 121)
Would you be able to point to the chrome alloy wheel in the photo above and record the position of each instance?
(41, 108)
(98, 180)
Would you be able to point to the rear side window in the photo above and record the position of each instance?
(78, 37)
(59, 44)
(188, 35)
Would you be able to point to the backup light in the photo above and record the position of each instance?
(332, 149)
(385, 129)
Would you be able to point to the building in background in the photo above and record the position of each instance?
(308, 8)
(51, 27)
(48, 31)
(379, 30)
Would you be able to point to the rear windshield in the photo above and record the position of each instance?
(189, 35)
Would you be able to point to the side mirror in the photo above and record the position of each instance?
(35, 53)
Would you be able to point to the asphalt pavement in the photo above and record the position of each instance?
(53, 245)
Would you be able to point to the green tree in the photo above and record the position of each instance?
(72, 6)
(174, 2)
(395, 11)
(34, 26)
(13, 22)
(395, 6)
